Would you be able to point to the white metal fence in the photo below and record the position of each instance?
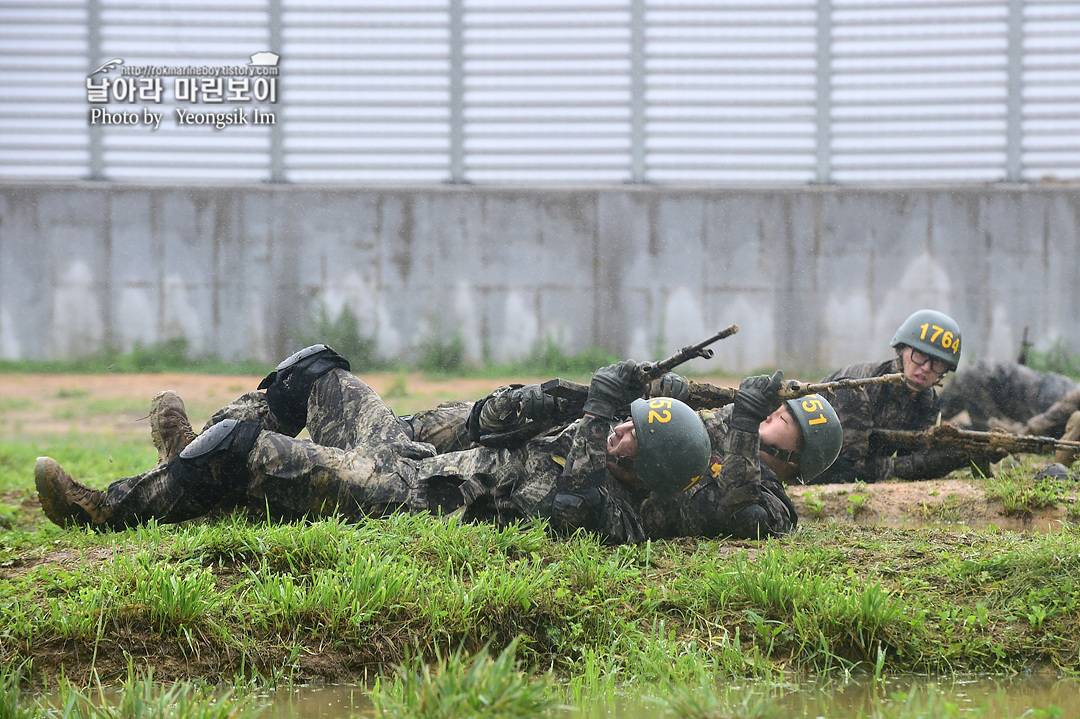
(511, 91)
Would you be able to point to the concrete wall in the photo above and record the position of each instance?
(815, 277)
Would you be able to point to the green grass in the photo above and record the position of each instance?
(1013, 484)
(229, 599)
(829, 598)
(229, 596)
(91, 458)
(460, 687)
(169, 356)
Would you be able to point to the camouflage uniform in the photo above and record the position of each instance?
(444, 426)
(738, 479)
(1005, 389)
(707, 508)
(877, 407)
(362, 462)
(1051, 423)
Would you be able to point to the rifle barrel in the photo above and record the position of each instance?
(655, 370)
(948, 434)
(793, 389)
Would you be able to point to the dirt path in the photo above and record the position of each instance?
(43, 404)
(959, 502)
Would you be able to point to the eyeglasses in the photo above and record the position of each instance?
(921, 358)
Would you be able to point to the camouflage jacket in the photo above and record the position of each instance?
(736, 480)
(560, 476)
(882, 407)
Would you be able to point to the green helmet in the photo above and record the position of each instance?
(673, 445)
(932, 332)
(821, 432)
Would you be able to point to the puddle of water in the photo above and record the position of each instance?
(985, 697)
(318, 702)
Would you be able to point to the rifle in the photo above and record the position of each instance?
(971, 442)
(708, 396)
(1024, 347)
(573, 394)
(644, 373)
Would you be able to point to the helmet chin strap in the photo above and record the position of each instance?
(624, 462)
(784, 455)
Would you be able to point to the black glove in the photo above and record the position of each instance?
(612, 389)
(535, 403)
(671, 385)
(929, 463)
(757, 398)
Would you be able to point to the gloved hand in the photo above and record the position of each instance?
(758, 397)
(612, 389)
(670, 385)
(534, 403)
(929, 463)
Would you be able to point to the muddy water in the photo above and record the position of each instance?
(987, 698)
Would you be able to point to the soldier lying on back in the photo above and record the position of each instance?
(362, 463)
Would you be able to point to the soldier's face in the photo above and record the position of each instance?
(622, 442)
(919, 376)
(780, 430)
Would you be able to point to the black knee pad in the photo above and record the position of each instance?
(288, 386)
(229, 442)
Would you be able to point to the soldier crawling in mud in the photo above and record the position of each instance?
(742, 497)
(927, 346)
(1015, 398)
(361, 462)
(295, 479)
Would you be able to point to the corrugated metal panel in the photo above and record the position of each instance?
(1051, 126)
(367, 91)
(730, 90)
(919, 90)
(43, 131)
(546, 91)
(559, 90)
(179, 34)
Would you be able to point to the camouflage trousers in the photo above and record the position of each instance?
(1052, 422)
(1003, 390)
(359, 461)
(445, 426)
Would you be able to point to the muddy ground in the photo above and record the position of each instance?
(44, 404)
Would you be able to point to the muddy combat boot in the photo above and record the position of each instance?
(65, 501)
(169, 426)
(1072, 434)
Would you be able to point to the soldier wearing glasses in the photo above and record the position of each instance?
(927, 347)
